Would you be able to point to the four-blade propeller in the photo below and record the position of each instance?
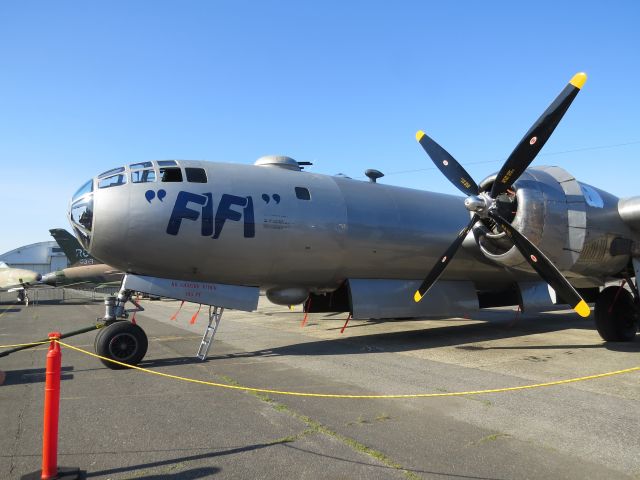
(483, 204)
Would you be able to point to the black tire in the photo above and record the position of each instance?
(122, 341)
(95, 341)
(617, 324)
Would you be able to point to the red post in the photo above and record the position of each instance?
(51, 410)
(345, 324)
(195, 315)
(306, 312)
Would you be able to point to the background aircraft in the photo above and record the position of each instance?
(84, 270)
(17, 279)
(217, 234)
(74, 252)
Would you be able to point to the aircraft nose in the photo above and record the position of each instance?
(27, 277)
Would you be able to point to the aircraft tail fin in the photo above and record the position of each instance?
(72, 248)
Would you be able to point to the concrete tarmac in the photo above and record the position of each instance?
(130, 424)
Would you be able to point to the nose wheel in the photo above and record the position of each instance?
(121, 341)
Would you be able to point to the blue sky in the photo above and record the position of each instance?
(86, 86)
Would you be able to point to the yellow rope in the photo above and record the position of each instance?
(328, 395)
(24, 344)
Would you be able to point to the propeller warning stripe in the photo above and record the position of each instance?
(578, 80)
(583, 309)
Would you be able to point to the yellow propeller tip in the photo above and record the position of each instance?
(419, 135)
(583, 309)
(417, 297)
(578, 79)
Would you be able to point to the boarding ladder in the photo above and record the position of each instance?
(215, 315)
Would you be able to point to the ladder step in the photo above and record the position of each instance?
(205, 344)
(210, 332)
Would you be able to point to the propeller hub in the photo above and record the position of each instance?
(480, 204)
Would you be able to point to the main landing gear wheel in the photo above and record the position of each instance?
(122, 341)
(616, 315)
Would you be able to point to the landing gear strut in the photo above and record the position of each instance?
(119, 339)
(617, 314)
(23, 297)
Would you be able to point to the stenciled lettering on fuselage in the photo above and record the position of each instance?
(194, 206)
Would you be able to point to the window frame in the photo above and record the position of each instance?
(173, 168)
(306, 196)
(122, 176)
(197, 170)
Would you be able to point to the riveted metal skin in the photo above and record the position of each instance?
(348, 229)
(629, 210)
(340, 229)
(553, 214)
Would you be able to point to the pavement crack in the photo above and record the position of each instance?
(16, 439)
(314, 426)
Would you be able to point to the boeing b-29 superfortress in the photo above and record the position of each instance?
(217, 234)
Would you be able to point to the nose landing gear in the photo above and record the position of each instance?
(124, 341)
(23, 297)
(120, 339)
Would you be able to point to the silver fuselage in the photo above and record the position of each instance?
(347, 229)
(267, 226)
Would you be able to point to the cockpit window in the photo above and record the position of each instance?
(86, 188)
(143, 176)
(81, 212)
(112, 181)
(111, 172)
(196, 175)
(171, 174)
(166, 163)
(138, 166)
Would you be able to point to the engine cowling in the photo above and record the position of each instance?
(574, 224)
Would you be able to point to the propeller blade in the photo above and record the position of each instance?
(439, 267)
(541, 264)
(448, 165)
(537, 136)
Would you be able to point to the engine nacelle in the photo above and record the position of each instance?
(575, 225)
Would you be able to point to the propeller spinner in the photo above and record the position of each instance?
(483, 204)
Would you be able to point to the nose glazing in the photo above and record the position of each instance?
(81, 213)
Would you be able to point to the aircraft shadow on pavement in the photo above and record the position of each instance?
(33, 375)
(188, 474)
(170, 362)
(504, 327)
